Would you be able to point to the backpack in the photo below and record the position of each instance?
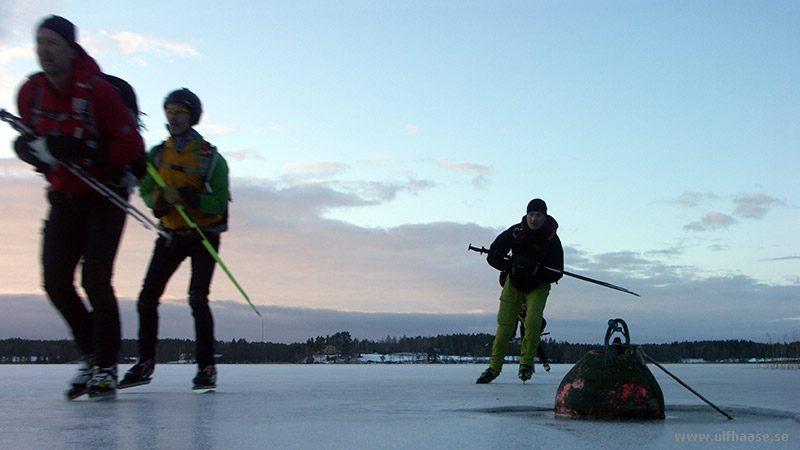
(83, 107)
(128, 97)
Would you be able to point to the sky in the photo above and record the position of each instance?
(370, 143)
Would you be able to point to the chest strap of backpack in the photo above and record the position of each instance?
(208, 163)
(519, 237)
(81, 108)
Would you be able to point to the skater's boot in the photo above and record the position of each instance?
(525, 372)
(103, 385)
(546, 366)
(487, 376)
(79, 384)
(206, 379)
(139, 374)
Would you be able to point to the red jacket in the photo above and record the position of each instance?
(117, 129)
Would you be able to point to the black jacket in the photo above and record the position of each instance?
(530, 250)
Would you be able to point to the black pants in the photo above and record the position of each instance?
(88, 228)
(167, 257)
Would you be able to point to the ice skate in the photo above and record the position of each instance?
(103, 385)
(205, 380)
(487, 376)
(525, 372)
(138, 375)
(80, 381)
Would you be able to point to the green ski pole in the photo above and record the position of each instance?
(160, 181)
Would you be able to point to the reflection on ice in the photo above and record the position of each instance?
(384, 406)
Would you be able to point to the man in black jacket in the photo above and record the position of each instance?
(535, 249)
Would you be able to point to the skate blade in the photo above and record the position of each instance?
(102, 396)
(74, 393)
(134, 384)
(203, 389)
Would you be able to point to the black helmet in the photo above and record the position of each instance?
(187, 98)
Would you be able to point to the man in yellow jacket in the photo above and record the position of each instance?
(196, 176)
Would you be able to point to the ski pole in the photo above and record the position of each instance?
(160, 181)
(87, 178)
(115, 198)
(17, 124)
(564, 272)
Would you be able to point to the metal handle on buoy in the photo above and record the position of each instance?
(616, 326)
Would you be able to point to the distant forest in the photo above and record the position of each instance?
(477, 346)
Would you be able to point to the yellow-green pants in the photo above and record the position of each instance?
(510, 303)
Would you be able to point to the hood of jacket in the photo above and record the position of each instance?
(544, 233)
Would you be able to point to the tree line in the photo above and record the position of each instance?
(463, 345)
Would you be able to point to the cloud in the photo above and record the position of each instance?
(9, 55)
(295, 198)
(479, 181)
(310, 275)
(694, 226)
(375, 192)
(781, 258)
(9, 81)
(323, 168)
(754, 206)
(607, 266)
(749, 206)
(712, 220)
(463, 167)
(277, 128)
(693, 199)
(411, 128)
(18, 18)
(133, 43)
(308, 197)
(576, 312)
(717, 220)
(671, 251)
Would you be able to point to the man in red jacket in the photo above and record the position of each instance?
(81, 120)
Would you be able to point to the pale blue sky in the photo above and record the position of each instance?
(663, 136)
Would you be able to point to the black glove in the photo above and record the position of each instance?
(67, 148)
(190, 195)
(502, 279)
(159, 213)
(525, 269)
(22, 147)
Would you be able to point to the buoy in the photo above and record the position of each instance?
(610, 384)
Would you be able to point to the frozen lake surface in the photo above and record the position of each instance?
(389, 406)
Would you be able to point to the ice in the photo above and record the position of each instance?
(375, 406)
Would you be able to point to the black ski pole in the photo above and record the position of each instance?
(564, 272)
(17, 124)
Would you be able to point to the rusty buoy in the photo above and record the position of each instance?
(610, 384)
